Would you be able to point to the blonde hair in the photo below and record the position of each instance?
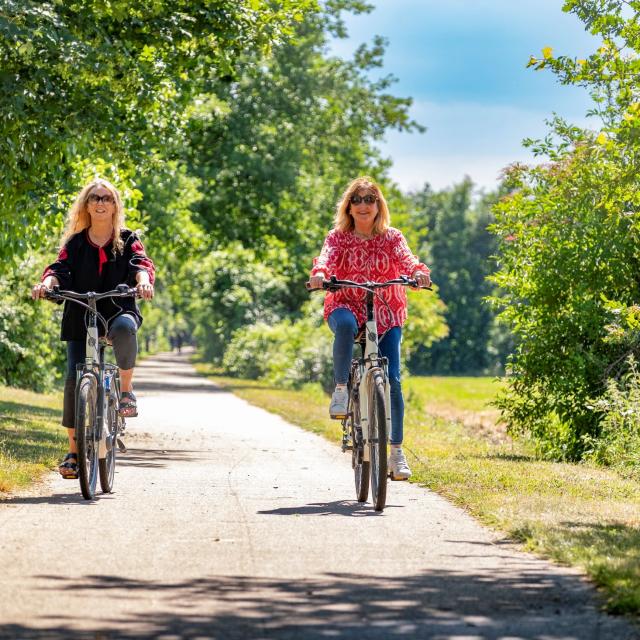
(344, 220)
(78, 218)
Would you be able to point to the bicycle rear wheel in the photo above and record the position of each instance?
(360, 467)
(107, 465)
(377, 440)
(86, 435)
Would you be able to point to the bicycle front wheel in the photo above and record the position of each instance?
(377, 440)
(107, 465)
(86, 435)
(360, 467)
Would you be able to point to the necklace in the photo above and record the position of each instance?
(364, 236)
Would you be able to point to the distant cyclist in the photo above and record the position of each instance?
(97, 253)
(362, 246)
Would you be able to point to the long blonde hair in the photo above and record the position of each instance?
(78, 217)
(344, 220)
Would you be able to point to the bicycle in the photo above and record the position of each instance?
(367, 423)
(98, 425)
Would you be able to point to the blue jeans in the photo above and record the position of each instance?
(344, 326)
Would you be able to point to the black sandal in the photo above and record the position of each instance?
(68, 468)
(128, 405)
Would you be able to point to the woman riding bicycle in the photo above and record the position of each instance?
(363, 247)
(97, 254)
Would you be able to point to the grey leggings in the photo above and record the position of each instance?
(122, 333)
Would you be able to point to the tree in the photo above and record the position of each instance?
(80, 77)
(458, 247)
(569, 251)
(274, 148)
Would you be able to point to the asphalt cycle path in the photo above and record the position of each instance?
(227, 522)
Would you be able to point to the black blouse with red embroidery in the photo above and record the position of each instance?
(84, 266)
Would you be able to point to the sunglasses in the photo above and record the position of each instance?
(95, 199)
(368, 199)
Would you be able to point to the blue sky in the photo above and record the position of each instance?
(464, 64)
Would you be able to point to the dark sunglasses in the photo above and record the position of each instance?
(95, 199)
(368, 199)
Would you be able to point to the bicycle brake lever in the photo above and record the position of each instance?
(52, 294)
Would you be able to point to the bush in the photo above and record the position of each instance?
(288, 354)
(31, 354)
(618, 444)
(227, 290)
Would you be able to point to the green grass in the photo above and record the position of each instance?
(463, 393)
(31, 438)
(576, 514)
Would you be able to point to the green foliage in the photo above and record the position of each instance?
(274, 148)
(266, 156)
(567, 248)
(619, 441)
(227, 126)
(115, 76)
(31, 355)
(425, 324)
(288, 354)
(569, 257)
(457, 246)
(227, 289)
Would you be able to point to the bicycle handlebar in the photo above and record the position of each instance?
(121, 291)
(333, 284)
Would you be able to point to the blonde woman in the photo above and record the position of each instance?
(97, 253)
(363, 247)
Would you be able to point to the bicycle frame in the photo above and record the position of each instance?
(95, 365)
(368, 365)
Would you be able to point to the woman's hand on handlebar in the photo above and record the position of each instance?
(315, 282)
(40, 290)
(422, 279)
(144, 288)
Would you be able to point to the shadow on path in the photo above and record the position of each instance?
(338, 507)
(159, 458)
(177, 386)
(430, 604)
(74, 497)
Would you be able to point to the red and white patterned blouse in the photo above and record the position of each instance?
(383, 257)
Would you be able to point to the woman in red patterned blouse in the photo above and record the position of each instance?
(363, 247)
(97, 254)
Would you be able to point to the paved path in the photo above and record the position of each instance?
(227, 522)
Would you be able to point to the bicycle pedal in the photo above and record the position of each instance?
(121, 446)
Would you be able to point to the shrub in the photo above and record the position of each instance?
(31, 354)
(288, 354)
(618, 443)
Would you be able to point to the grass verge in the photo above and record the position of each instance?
(31, 438)
(575, 514)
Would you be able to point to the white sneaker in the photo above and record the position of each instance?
(339, 402)
(398, 467)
